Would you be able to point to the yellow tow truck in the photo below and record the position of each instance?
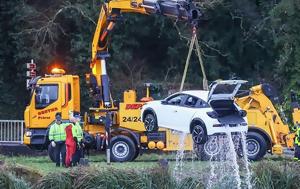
(58, 92)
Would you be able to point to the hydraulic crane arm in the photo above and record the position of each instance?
(110, 13)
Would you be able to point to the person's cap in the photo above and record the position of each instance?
(58, 116)
(76, 115)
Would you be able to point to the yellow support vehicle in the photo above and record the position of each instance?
(267, 132)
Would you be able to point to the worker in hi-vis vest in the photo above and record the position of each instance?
(78, 137)
(57, 137)
(297, 144)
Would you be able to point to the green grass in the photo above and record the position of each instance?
(44, 165)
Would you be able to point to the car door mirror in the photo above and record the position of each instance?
(164, 102)
(243, 113)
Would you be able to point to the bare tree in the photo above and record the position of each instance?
(46, 28)
(170, 68)
(135, 69)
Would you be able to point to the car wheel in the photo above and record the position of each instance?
(122, 149)
(209, 150)
(199, 134)
(256, 146)
(51, 153)
(150, 123)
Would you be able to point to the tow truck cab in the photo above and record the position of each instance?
(53, 93)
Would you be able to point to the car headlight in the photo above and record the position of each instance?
(28, 133)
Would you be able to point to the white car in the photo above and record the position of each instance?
(201, 113)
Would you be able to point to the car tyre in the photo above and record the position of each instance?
(122, 149)
(150, 123)
(199, 134)
(256, 146)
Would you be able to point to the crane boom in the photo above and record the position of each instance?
(111, 12)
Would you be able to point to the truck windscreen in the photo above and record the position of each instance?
(46, 95)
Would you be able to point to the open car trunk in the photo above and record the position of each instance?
(221, 98)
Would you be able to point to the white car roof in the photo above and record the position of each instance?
(197, 93)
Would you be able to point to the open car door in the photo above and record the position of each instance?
(221, 96)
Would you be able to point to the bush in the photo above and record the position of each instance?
(10, 181)
(112, 178)
(279, 175)
(266, 175)
(121, 178)
(55, 180)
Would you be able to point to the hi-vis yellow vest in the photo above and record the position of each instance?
(57, 132)
(77, 131)
(297, 137)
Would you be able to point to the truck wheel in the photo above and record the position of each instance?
(122, 149)
(199, 134)
(256, 146)
(137, 153)
(210, 150)
(89, 140)
(150, 122)
(51, 153)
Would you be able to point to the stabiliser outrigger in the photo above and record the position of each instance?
(105, 118)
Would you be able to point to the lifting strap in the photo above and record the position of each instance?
(194, 42)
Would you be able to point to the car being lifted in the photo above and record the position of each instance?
(204, 114)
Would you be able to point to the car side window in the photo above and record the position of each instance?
(191, 101)
(176, 100)
(202, 104)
